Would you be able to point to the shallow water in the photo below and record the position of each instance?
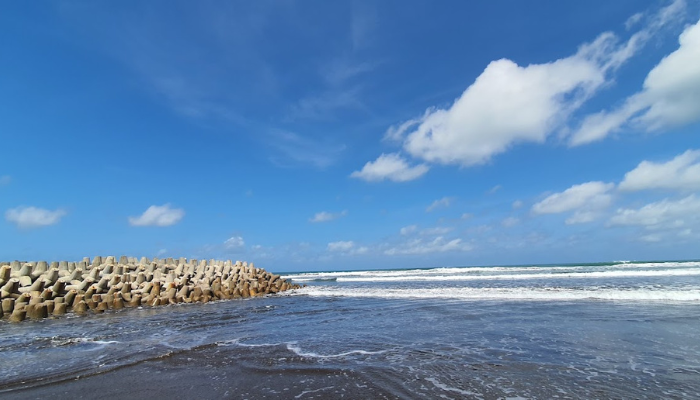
(588, 331)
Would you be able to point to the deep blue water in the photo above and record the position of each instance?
(593, 331)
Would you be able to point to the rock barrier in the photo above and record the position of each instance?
(37, 290)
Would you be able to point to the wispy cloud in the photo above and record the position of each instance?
(422, 246)
(494, 189)
(324, 216)
(340, 246)
(5, 180)
(347, 248)
(670, 96)
(323, 105)
(441, 203)
(33, 217)
(158, 216)
(407, 230)
(292, 149)
(510, 222)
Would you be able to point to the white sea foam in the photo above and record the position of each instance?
(447, 388)
(298, 351)
(516, 293)
(65, 341)
(529, 276)
(526, 272)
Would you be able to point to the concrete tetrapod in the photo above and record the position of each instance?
(35, 290)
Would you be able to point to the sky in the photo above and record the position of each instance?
(316, 135)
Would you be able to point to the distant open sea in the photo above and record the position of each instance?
(607, 330)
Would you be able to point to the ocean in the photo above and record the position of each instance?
(607, 330)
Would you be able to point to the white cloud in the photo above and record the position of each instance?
(651, 238)
(407, 230)
(443, 202)
(633, 20)
(293, 149)
(158, 216)
(33, 217)
(324, 216)
(362, 250)
(438, 230)
(517, 204)
(234, 243)
(581, 217)
(395, 133)
(670, 96)
(162, 252)
(5, 180)
(467, 215)
(341, 245)
(509, 104)
(494, 189)
(589, 194)
(664, 214)
(390, 167)
(681, 173)
(346, 247)
(420, 246)
(510, 221)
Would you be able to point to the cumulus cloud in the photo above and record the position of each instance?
(681, 173)
(421, 246)
(509, 104)
(391, 167)
(670, 96)
(158, 216)
(663, 214)
(33, 217)
(234, 243)
(325, 216)
(443, 202)
(586, 199)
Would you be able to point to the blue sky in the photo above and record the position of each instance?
(317, 135)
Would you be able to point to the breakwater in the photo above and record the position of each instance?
(37, 290)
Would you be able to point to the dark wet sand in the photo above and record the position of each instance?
(212, 374)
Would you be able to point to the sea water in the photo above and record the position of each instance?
(610, 330)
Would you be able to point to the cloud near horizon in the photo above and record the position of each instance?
(33, 217)
(158, 216)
